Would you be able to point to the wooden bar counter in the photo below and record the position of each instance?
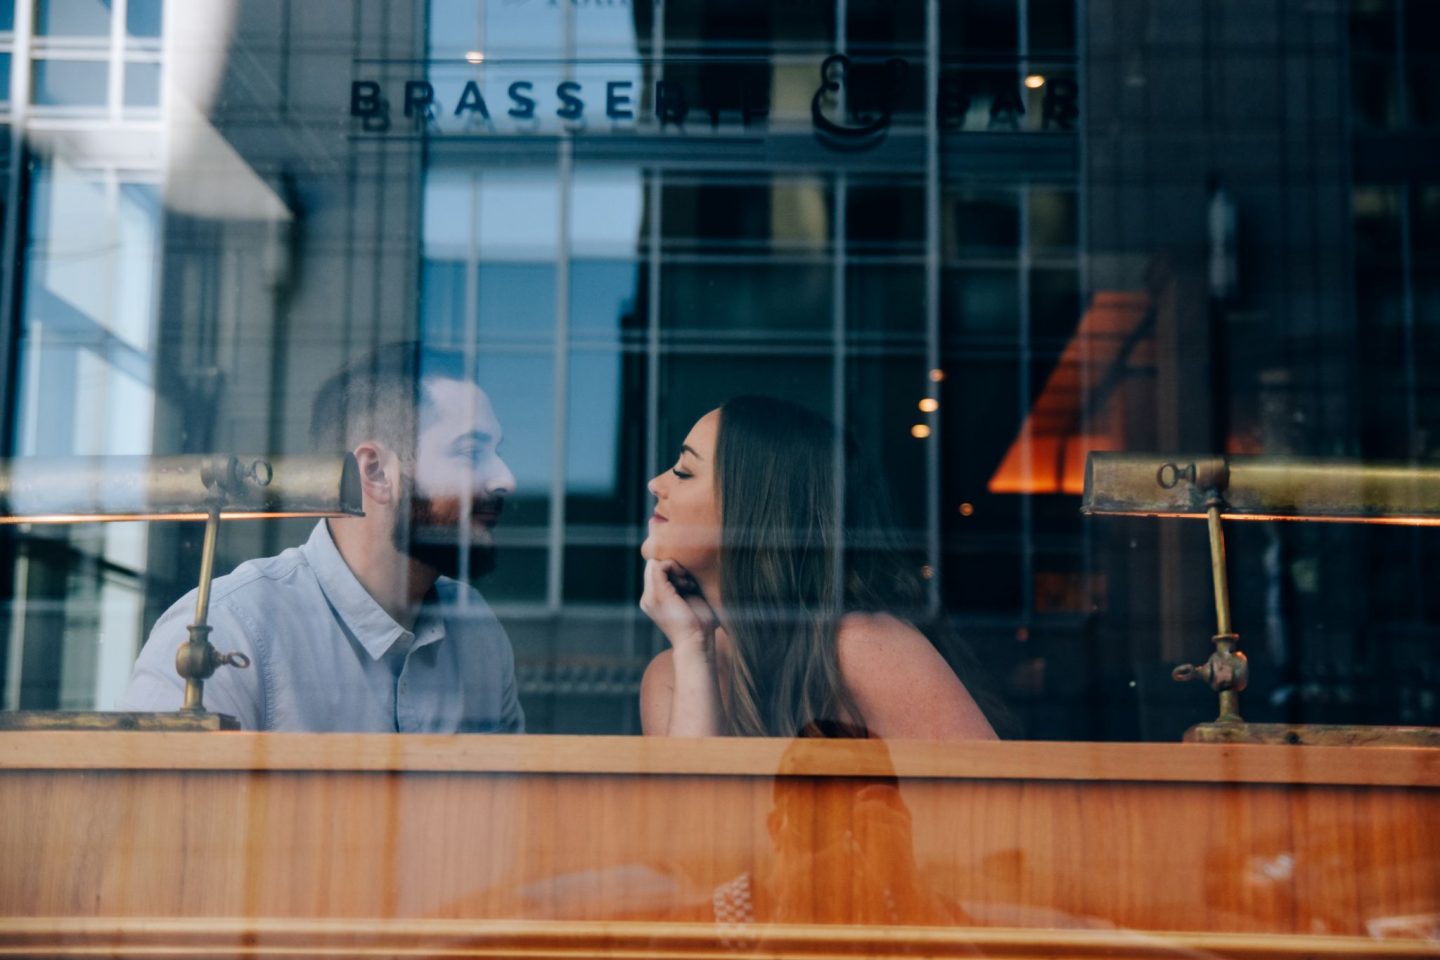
(269, 845)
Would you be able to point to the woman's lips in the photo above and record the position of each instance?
(658, 518)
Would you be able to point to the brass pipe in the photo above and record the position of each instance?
(1226, 671)
(1217, 569)
(1227, 664)
(1229, 707)
(200, 630)
(207, 566)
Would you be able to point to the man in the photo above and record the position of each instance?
(362, 628)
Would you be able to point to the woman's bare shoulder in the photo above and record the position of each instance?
(901, 683)
(655, 690)
(881, 628)
(662, 665)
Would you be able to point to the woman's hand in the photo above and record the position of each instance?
(689, 623)
(685, 618)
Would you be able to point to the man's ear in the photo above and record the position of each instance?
(379, 472)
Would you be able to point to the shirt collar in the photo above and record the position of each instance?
(371, 626)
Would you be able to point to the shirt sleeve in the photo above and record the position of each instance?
(156, 686)
(512, 716)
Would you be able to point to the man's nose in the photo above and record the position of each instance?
(499, 482)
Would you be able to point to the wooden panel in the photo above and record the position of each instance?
(829, 864)
(444, 940)
(725, 756)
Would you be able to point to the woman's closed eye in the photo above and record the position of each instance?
(681, 473)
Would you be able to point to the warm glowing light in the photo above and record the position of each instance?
(920, 431)
(927, 571)
(1048, 452)
(475, 56)
(929, 405)
(1034, 81)
(1396, 521)
(937, 375)
(967, 509)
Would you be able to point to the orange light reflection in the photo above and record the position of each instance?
(1380, 521)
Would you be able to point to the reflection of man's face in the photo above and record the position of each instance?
(458, 484)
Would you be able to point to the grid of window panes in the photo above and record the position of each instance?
(609, 304)
(82, 84)
(89, 57)
(916, 265)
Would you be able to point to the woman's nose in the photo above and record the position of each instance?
(655, 486)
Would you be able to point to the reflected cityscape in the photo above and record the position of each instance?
(987, 237)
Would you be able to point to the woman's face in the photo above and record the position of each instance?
(686, 524)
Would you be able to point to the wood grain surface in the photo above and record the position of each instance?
(445, 939)
(723, 756)
(530, 845)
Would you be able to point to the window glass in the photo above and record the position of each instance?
(732, 476)
(72, 18)
(978, 222)
(616, 217)
(884, 219)
(1053, 219)
(885, 302)
(1422, 64)
(516, 300)
(606, 207)
(713, 300)
(605, 299)
(69, 83)
(142, 17)
(1051, 25)
(142, 84)
(980, 302)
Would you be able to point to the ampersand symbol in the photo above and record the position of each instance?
(834, 72)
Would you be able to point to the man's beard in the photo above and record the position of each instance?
(430, 535)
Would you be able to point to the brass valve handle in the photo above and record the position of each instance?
(1227, 668)
(199, 659)
(1227, 672)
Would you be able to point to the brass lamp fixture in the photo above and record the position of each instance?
(1262, 488)
(211, 488)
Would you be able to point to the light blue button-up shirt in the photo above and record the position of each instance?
(326, 657)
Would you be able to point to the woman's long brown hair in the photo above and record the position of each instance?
(806, 539)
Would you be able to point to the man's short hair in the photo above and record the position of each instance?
(381, 396)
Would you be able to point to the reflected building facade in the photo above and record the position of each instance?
(987, 236)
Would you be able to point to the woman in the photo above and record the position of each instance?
(784, 612)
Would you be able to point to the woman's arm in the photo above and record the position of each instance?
(657, 690)
(679, 695)
(902, 685)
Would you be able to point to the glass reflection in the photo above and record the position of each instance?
(203, 228)
(843, 854)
